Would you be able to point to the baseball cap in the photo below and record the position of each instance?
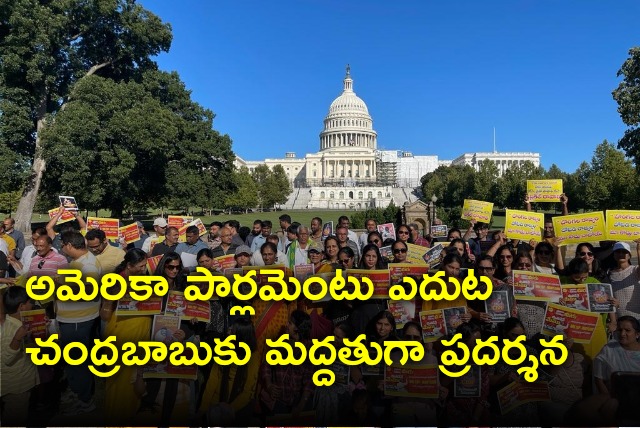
(160, 222)
(622, 246)
(139, 224)
(243, 249)
(314, 246)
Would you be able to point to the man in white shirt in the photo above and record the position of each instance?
(344, 221)
(371, 226)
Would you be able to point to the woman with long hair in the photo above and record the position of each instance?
(504, 259)
(346, 258)
(460, 247)
(121, 399)
(375, 238)
(371, 258)
(621, 355)
(230, 388)
(287, 389)
(586, 252)
(400, 251)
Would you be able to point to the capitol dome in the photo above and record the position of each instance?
(348, 123)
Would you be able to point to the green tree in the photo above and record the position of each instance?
(627, 95)
(246, 194)
(486, 181)
(280, 188)
(46, 47)
(611, 182)
(261, 175)
(451, 185)
(145, 143)
(512, 186)
(575, 187)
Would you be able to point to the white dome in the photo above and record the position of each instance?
(348, 103)
(348, 124)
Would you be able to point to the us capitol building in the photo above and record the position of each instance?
(349, 172)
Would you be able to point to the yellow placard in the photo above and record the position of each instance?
(623, 225)
(525, 225)
(477, 210)
(576, 228)
(544, 190)
(415, 253)
(65, 217)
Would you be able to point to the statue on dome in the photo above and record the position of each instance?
(348, 70)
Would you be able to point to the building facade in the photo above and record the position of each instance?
(350, 172)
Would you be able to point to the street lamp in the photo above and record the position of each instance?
(434, 199)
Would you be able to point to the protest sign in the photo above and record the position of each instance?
(432, 256)
(222, 263)
(110, 226)
(152, 263)
(403, 311)
(439, 231)
(518, 393)
(415, 253)
(127, 306)
(575, 296)
(536, 286)
(303, 271)
(468, 385)
(599, 297)
(178, 306)
(477, 210)
(420, 380)
(397, 271)
(36, 322)
(453, 318)
(623, 225)
(130, 233)
(432, 323)
(163, 330)
(578, 325)
(379, 278)
(327, 230)
(576, 228)
(544, 190)
(387, 231)
(386, 253)
(65, 217)
(524, 225)
(497, 305)
(69, 203)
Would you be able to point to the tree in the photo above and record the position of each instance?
(451, 184)
(575, 186)
(46, 48)
(611, 181)
(486, 181)
(512, 186)
(627, 95)
(144, 142)
(246, 194)
(280, 188)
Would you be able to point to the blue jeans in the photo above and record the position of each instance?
(79, 377)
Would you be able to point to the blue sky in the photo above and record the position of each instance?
(437, 76)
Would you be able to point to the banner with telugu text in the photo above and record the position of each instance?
(411, 381)
(130, 233)
(576, 324)
(576, 228)
(544, 190)
(477, 210)
(65, 217)
(623, 225)
(524, 225)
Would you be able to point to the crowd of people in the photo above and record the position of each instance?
(584, 389)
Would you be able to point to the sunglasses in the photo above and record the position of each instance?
(403, 232)
(544, 253)
(40, 264)
(311, 252)
(485, 268)
(344, 261)
(506, 257)
(172, 267)
(399, 250)
(413, 337)
(528, 265)
(585, 253)
(374, 241)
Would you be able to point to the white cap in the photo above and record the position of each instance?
(160, 222)
(622, 246)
